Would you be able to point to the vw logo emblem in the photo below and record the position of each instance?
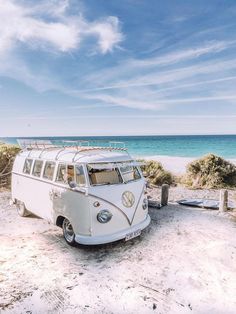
(128, 199)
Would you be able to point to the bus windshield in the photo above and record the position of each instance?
(106, 174)
(130, 173)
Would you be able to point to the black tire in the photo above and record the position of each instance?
(68, 232)
(21, 209)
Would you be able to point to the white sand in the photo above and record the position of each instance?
(184, 262)
(176, 165)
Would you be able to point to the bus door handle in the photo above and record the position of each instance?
(54, 193)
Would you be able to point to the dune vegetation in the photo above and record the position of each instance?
(7, 156)
(210, 172)
(155, 173)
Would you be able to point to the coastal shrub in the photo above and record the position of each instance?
(7, 156)
(155, 173)
(210, 171)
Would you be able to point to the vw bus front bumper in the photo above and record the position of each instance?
(93, 240)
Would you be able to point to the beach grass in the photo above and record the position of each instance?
(156, 174)
(210, 172)
(7, 156)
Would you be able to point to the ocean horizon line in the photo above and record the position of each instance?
(108, 136)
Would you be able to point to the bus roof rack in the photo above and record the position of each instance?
(34, 144)
(80, 145)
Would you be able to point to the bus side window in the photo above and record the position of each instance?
(49, 170)
(70, 173)
(38, 164)
(27, 166)
(80, 178)
(65, 173)
(61, 173)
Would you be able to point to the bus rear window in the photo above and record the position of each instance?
(27, 166)
(104, 176)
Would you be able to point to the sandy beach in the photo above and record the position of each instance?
(176, 165)
(184, 262)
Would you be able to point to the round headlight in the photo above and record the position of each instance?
(145, 203)
(104, 216)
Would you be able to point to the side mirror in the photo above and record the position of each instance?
(72, 184)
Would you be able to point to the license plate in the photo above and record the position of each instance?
(132, 235)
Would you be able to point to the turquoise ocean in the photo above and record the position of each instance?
(181, 146)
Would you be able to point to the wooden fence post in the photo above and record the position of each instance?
(223, 205)
(164, 194)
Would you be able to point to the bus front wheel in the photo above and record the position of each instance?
(68, 232)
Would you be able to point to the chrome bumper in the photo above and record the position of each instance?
(93, 240)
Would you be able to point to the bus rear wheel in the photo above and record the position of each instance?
(21, 209)
(68, 232)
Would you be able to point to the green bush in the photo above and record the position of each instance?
(210, 171)
(7, 156)
(155, 173)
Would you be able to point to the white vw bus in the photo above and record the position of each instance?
(95, 194)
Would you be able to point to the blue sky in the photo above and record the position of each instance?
(127, 67)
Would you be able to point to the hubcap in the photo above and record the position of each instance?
(68, 231)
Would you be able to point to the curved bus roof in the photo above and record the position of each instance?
(83, 155)
(74, 151)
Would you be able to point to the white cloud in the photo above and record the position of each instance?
(16, 69)
(184, 55)
(125, 77)
(21, 24)
(130, 101)
(106, 32)
(158, 90)
(133, 67)
(94, 106)
(155, 103)
(52, 7)
(194, 84)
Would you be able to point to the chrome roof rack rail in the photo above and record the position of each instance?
(62, 145)
(61, 150)
(48, 148)
(34, 144)
(43, 144)
(115, 143)
(78, 143)
(99, 148)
